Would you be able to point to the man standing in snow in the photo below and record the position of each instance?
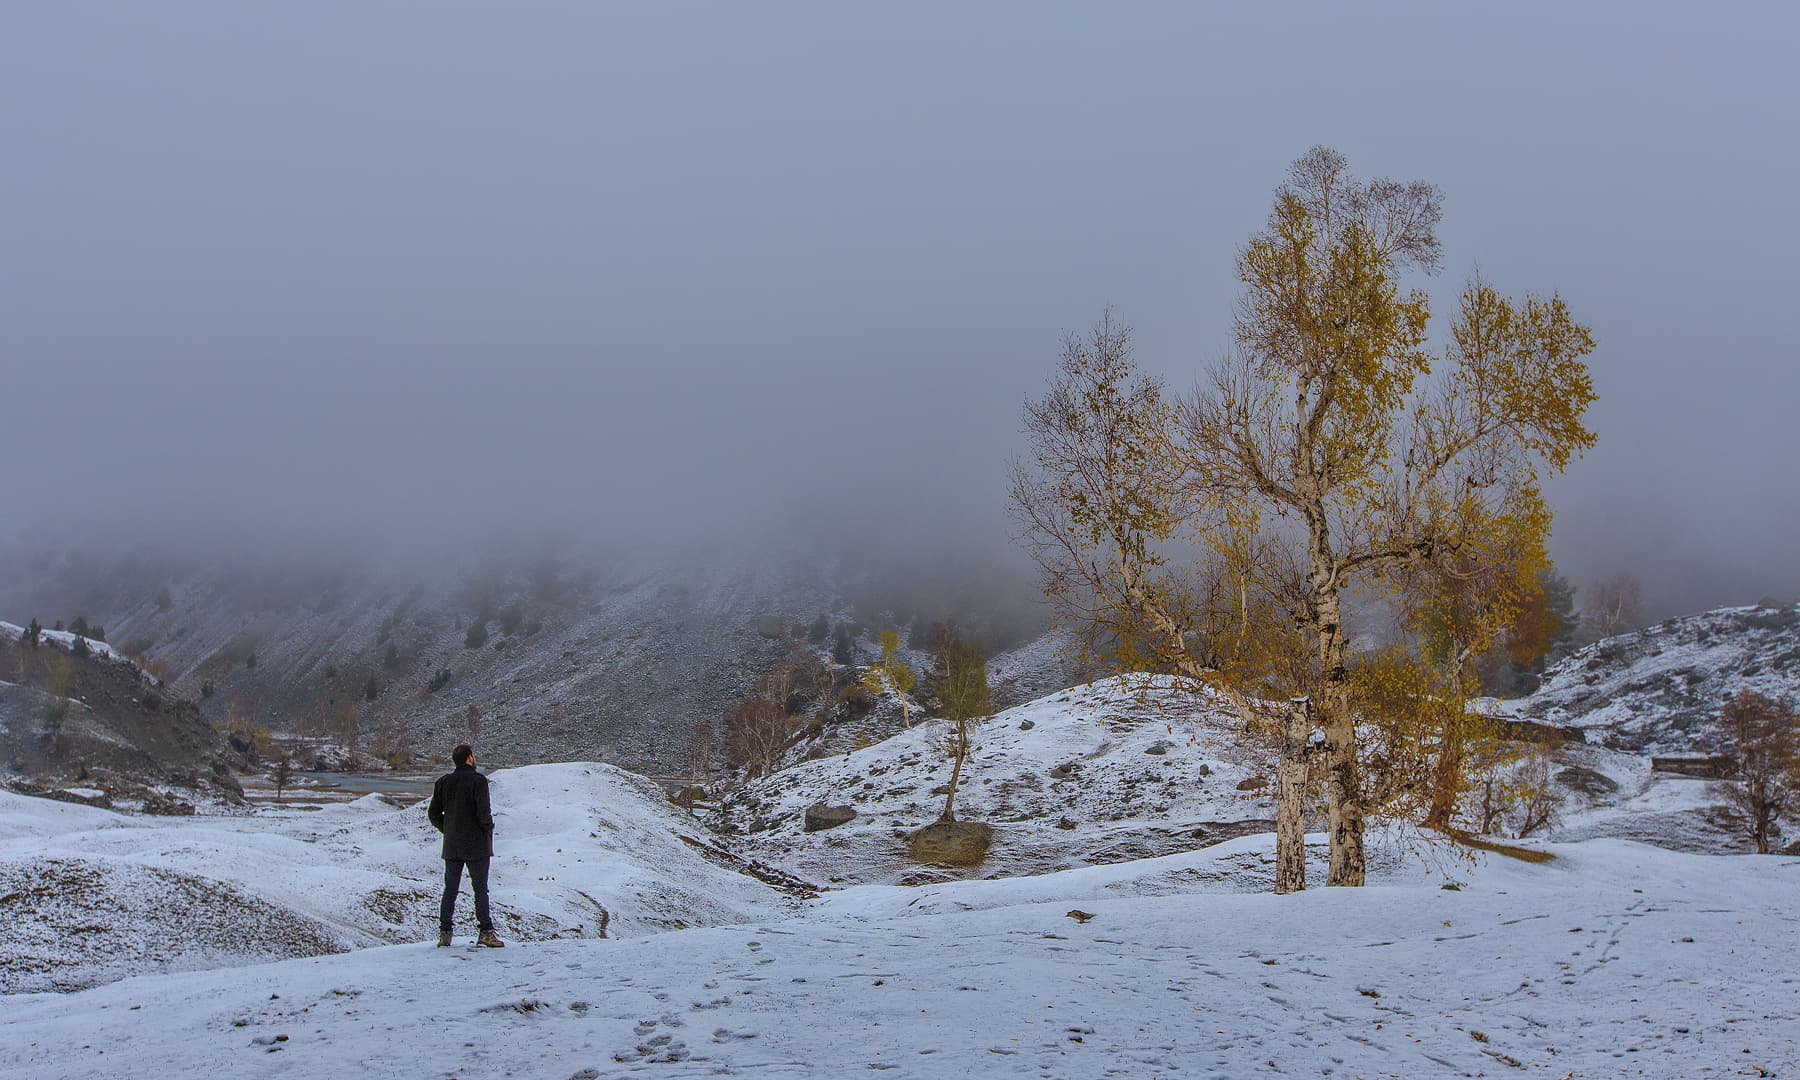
(459, 810)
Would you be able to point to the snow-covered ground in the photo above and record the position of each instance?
(1615, 959)
(1093, 774)
(1122, 924)
(1658, 690)
(88, 895)
(67, 641)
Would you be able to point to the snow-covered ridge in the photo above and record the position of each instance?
(1115, 770)
(581, 850)
(1659, 690)
(67, 640)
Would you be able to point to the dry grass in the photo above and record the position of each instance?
(1511, 851)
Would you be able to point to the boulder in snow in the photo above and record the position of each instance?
(820, 818)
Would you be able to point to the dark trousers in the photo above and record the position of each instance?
(453, 869)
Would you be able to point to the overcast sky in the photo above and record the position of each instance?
(386, 271)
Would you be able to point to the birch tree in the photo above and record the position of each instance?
(891, 674)
(1765, 753)
(963, 690)
(1217, 535)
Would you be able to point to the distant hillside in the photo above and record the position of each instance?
(1085, 776)
(1659, 690)
(564, 659)
(98, 719)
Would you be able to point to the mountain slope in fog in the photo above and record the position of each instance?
(611, 663)
(1659, 690)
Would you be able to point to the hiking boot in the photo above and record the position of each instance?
(443, 939)
(486, 937)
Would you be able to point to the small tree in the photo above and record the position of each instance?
(283, 774)
(700, 752)
(250, 660)
(843, 647)
(477, 635)
(891, 673)
(371, 687)
(1765, 746)
(391, 659)
(79, 647)
(759, 726)
(58, 677)
(349, 732)
(820, 630)
(964, 693)
(1615, 605)
(34, 633)
(756, 731)
(472, 723)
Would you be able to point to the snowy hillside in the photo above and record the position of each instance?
(1658, 690)
(88, 895)
(1614, 959)
(1093, 774)
(1041, 666)
(98, 721)
(599, 660)
(67, 640)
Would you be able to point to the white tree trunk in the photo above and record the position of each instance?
(1290, 791)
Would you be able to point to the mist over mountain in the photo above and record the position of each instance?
(359, 285)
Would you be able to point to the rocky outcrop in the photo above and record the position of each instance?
(820, 818)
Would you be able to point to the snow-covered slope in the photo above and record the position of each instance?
(98, 719)
(67, 641)
(1094, 774)
(581, 850)
(1659, 690)
(1044, 665)
(1615, 793)
(1615, 959)
(599, 659)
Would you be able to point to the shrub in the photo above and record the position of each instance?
(250, 660)
(855, 699)
(477, 635)
(438, 681)
(371, 688)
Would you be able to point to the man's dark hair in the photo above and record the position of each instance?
(462, 753)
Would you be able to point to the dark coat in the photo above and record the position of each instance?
(459, 810)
